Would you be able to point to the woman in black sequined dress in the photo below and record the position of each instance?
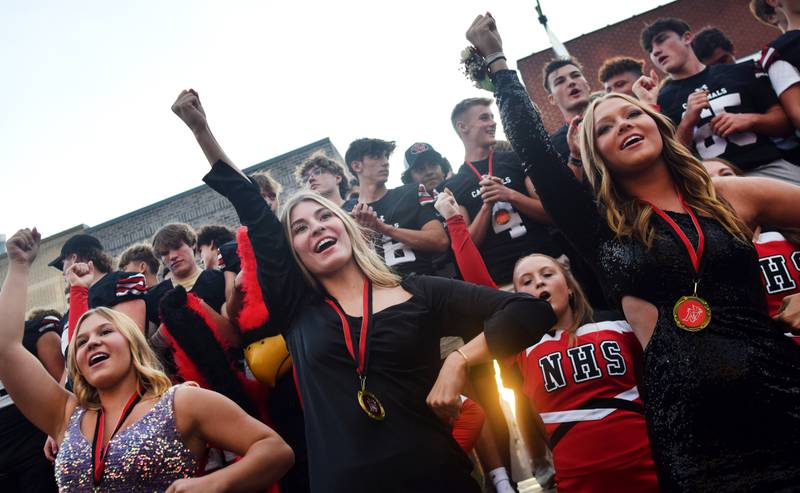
(722, 404)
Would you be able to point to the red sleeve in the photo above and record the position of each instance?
(469, 260)
(78, 305)
(467, 427)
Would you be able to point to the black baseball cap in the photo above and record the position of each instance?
(419, 152)
(74, 245)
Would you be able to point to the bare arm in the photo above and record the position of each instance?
(48, 348)
(431, 238)
(137, 310)
(790, 100)
(480, 224)
(760, 201)
(204, 417)
(33, 389)
(772, 123)
(189, 109)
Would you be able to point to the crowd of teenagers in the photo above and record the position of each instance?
(636, 274)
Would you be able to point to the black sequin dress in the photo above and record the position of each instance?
(723, 404)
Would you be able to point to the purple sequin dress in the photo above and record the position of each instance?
(148, 455)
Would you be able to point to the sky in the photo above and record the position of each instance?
(86, 130)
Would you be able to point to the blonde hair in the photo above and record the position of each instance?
(628, 216)
(149, 373)
(582, 312)
(367, 260)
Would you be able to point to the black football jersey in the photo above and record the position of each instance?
(401, 208)
(116, 287)
(210, 287)
(738, 88)
(785, 47)
(511, 235)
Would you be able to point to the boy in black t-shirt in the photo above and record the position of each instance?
(781, 60)
(209, 238)
(568, 90)
(725, 111)
(174, 244)
(409, 234)
(496, 199)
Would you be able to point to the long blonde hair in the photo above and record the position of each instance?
(582, 312)
(628, 216)
(367, 260)
(149, 373)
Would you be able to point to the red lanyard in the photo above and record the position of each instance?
(365, 321)
(99, 459)
(480, 177)
(694, 255)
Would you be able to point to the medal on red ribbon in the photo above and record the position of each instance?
(99, 452)
(691, 312)
(368, 401)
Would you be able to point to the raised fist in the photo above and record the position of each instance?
(189, 109)
(81, 274)
(646, 88)
(484, 36)
(23, 246)
(446, 204)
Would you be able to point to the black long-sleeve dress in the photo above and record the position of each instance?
(411, 450)
(722, 405)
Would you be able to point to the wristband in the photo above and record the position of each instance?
(490, 59)
(459, 351)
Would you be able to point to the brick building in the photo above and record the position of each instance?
(197, 207)
(622, 39)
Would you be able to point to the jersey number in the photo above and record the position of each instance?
(395, 252)
(709, 144)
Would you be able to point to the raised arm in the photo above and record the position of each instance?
(568, 203)
(35, 392)
(281, 282)
(468, 258)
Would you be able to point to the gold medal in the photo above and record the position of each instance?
(371, 405)
(691, 313)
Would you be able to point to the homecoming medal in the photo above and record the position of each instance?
(691, 313)
(368, 402)
(502, 216)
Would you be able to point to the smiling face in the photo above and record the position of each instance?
(569, 89)
(102, 353)
(626, 138)
(540, 277)
(671, 51)
(429, 174)
(319, 238)
(477, 126)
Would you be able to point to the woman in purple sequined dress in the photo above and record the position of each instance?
(125, 428)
